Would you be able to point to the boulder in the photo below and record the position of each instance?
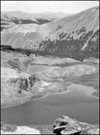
(66, 125)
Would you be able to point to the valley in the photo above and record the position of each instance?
(35, 77)
(49, 69)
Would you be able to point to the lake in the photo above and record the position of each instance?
(76, 103)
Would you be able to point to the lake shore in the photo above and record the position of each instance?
(90, 92)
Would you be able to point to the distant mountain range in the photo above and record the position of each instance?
(63, 35)
(18, 17)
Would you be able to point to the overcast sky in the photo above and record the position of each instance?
(47, 6)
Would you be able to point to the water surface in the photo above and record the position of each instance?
(76, 103)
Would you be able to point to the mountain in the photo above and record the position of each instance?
(18, 17)
(15, 24)
(88, 19)
(75, 36)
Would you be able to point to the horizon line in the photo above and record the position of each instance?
(45, 12)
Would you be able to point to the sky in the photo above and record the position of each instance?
(47, 6)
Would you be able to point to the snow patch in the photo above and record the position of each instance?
(22, 130)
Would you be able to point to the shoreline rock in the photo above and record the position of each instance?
(67, 125)
(61, 126)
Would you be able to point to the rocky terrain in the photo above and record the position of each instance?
(67, 125)
(62, 125)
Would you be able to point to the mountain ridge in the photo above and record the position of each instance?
(63, 37)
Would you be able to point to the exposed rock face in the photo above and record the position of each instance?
(66, 125)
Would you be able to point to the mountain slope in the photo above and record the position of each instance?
(19, 28)
(88, 19)
(75, 36)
